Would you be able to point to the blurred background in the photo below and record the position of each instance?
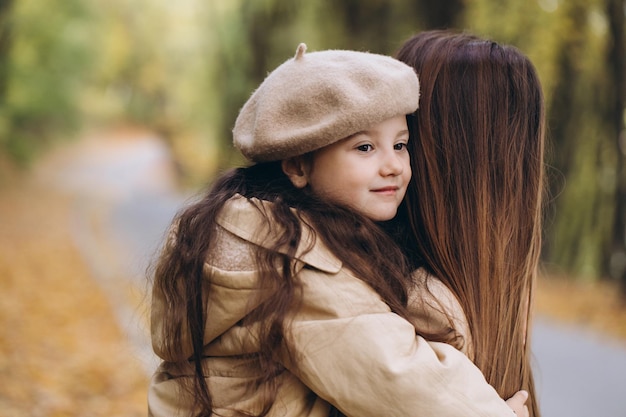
(115, 113)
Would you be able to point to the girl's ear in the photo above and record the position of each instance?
(296, 169)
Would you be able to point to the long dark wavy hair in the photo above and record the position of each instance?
(476, 200)
(364, 247)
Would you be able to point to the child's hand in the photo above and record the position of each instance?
(518, 403)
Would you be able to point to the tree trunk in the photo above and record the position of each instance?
(563, 126)
(441, 14)
(5, 44)
(616, 63)
(366, 26)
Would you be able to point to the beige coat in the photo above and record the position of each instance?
(351, 350)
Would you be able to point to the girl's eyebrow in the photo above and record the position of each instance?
(360, 132)
(368, 133)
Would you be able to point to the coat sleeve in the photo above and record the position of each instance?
(348, 347)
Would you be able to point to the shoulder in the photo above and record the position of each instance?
(251, 222)
(230, 252)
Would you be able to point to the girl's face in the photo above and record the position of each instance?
(368, 171)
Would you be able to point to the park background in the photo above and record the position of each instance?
(87, 75)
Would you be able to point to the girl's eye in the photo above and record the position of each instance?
(365, 147)
(399, 146)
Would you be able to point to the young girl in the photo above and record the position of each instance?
(475, 204)
(278, 294)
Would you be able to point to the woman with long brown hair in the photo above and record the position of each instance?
(476, 197)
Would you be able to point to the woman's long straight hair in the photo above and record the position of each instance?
(475, 203)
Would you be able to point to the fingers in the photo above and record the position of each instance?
(521, 396)
(518, 403)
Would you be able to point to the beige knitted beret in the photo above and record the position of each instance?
(318, 98)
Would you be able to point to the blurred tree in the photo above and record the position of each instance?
(150, 71)
(378, 26)
(132, 61)
(562, 107)
(253, 38)
(580, 236)
(5, 43)
(616, 113)
(43, 71)
(5, 47)
(441, 14)
(363, 25)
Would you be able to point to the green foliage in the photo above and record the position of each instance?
(48, 59)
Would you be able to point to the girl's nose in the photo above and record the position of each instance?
(392, 164)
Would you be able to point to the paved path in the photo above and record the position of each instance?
(127, 187)
(579, 373)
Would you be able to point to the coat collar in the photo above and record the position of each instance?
(245, 218)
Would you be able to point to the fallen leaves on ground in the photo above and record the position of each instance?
(597, 305)
(61, 351)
